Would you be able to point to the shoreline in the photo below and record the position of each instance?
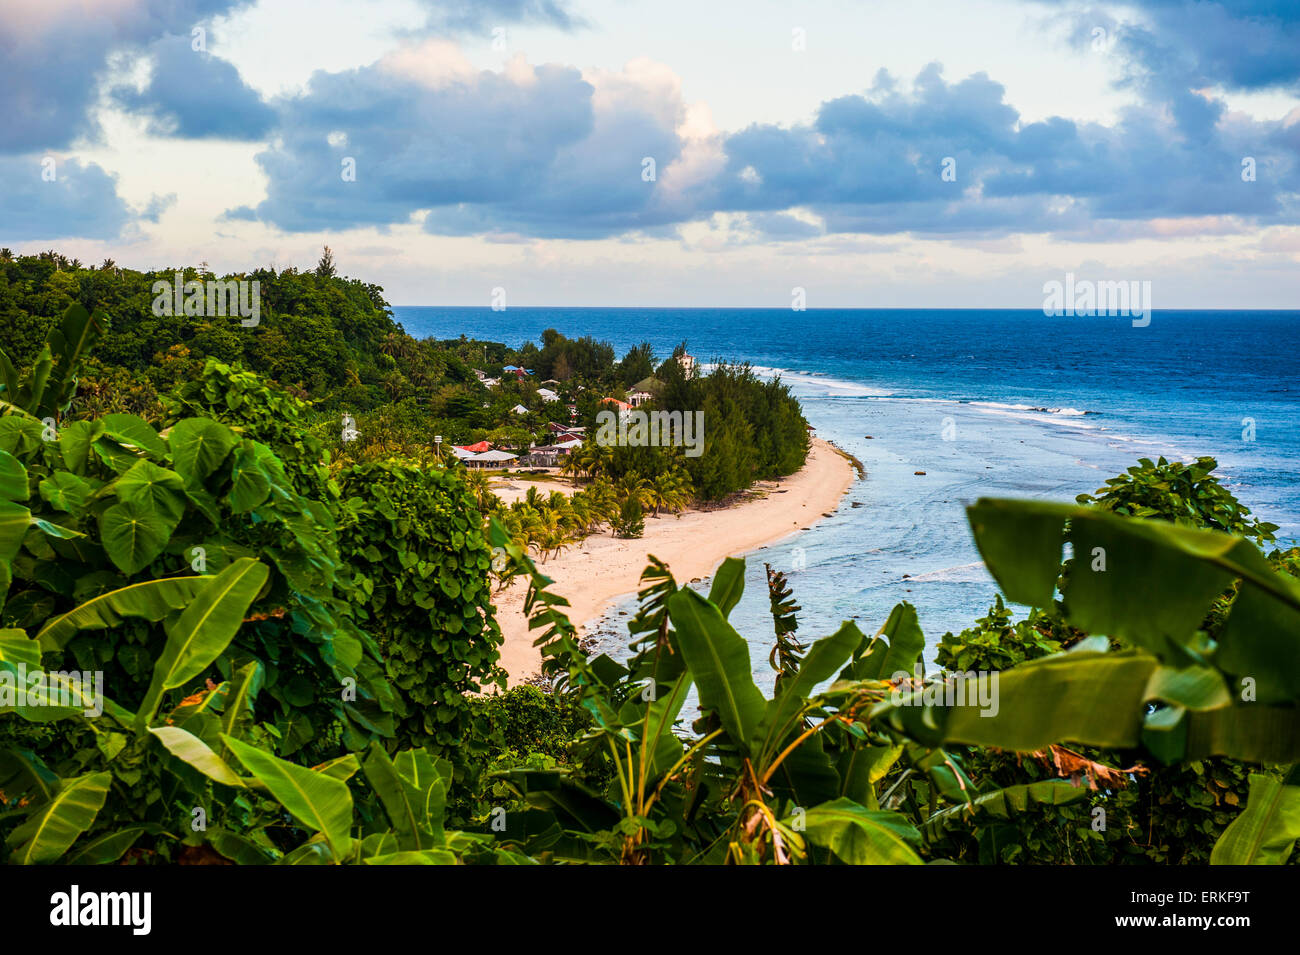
(600, 570)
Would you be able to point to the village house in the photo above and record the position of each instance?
(644, 391)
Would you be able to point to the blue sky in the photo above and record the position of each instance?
(510, 143)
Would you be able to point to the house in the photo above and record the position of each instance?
(550, 381)
(477, 448)
(644, 391)
(546, 394)
(490, 459)
(688, 365)
(624, 409)
(519, 409)
(517, 371)
(563, 432)
(547, 456)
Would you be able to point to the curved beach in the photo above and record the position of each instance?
(600, 570)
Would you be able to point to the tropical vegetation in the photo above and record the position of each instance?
(220, 641)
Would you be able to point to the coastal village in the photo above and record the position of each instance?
(561, 439)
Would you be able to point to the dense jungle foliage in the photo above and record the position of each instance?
(297, 656)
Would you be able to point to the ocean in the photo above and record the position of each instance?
(1006, 403)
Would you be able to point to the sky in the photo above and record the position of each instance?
(870, 153)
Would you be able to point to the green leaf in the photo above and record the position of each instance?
(15, 520)
(1020, 542)
(133, 432)
(414, 805)
(317, 801)
(75, 442)
(1146, 582)
(190, 749)
(134, 533)
(824, 658)
(108, 848)
(728, 585)
(198, 447)
(422, 857)
(157, 488)
(1004, 804)
(718, 658)
(245, 686)
(52, 827)
(1266, 831)
(152, 600)
(66, 491)
(860, 836)
(13, 478)
(204, 629)
(894, 649)
(255, 472)
(17, 647)
(69, 342)
(1094, 699)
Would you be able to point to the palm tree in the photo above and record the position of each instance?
(480, 485)
(633, 486)
(671, 490)
(572, 466)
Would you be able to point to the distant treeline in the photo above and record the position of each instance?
(333, 341)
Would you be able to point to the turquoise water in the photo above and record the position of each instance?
(1034, 406)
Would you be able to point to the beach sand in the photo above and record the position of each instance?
(601, 569)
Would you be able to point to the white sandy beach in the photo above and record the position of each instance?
(601, 569)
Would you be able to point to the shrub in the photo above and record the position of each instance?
(414, 546)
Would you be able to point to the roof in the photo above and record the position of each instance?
(622, 405)
(477, 448)
(493, 456)
(519, 409)
(649, 384)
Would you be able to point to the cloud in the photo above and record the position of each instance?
(538, 150)
(461, 15)
(80, 201)
(194, 95)
(156, 206)
(1242, 45)
(53, 54)
(874, 163)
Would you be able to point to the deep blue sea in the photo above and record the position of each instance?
(986, 402)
